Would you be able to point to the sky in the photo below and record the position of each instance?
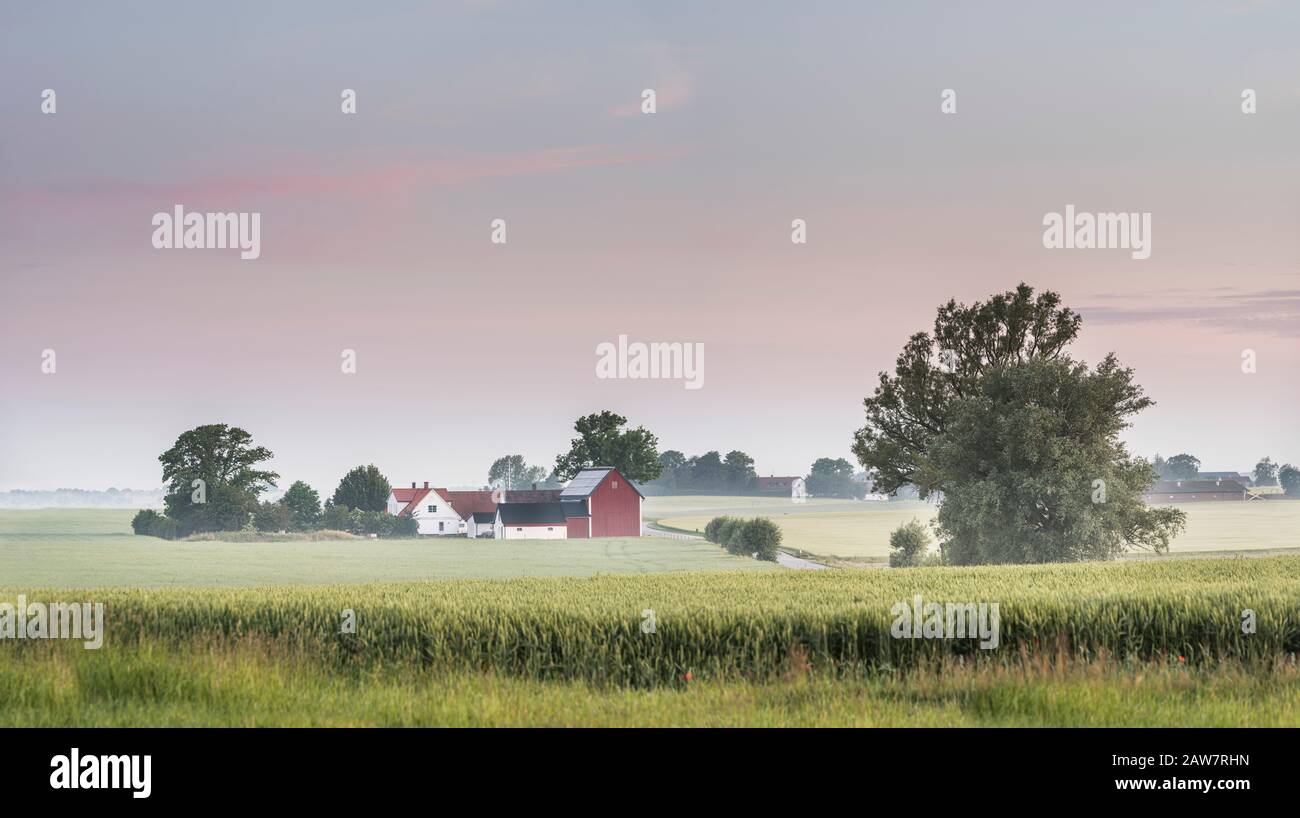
(666, 227)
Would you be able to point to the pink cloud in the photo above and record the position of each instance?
(386, 180)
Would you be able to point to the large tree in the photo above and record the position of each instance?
(910, 408)
(511, 472)
(602, 441)
(1021, 441)
(364, 488)
(1034, 470)
(213, 478)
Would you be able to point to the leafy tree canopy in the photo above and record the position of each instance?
(911, 407)
(511, 472)
(226, 463)
(602, 441)
(1034, 471)
(364, 488)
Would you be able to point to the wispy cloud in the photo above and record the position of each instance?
(1274, 312)
(384, 180)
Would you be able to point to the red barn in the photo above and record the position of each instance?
(610, 505)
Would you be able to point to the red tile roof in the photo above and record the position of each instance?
(412, 498)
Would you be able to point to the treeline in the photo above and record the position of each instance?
(714, 473)
(81, 498)
(708, 473)
(759, 537)
(1266, 472)
(215, 483)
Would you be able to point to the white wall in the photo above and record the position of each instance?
(556, 531)
(429, 520)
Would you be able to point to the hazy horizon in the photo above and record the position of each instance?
(671, 227)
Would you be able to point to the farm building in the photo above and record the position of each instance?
(1195, 491)
(444, 512)
(1236, 477)
(598, 502)
(777, 485)
(531, 521)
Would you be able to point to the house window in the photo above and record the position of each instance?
(433, 509)
(614, 484)
(440, 525)
(518, 529)
(550, 529)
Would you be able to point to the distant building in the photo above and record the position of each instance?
(597, 502)
(1195, 491)
(776, 485)
(443, 512)
(1236, 477)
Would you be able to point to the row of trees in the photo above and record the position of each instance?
(759, 537)
(712, 473)
(1265, 473)
(215, 478)
(708, 473)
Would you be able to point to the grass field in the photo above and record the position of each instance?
(856, 530)
(247, 686)
(95, 548)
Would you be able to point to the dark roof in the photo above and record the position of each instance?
(466, 503)
(482, 517)
(586, 481)
(531, 513)
(575, 508)
(1197, 487)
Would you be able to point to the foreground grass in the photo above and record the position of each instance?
(255, 684)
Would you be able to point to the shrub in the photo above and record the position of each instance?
(168, 529)
(712, 528)
(372, 522)
(143, 522)
(761, 537)
(908, 544)
(404, 527)
(336, 518)
(273, 517)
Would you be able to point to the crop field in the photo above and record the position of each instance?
(1076, 644)
(860, 530)
(96, 548)
(736, 625)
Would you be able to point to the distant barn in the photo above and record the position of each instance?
(1195, 491)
